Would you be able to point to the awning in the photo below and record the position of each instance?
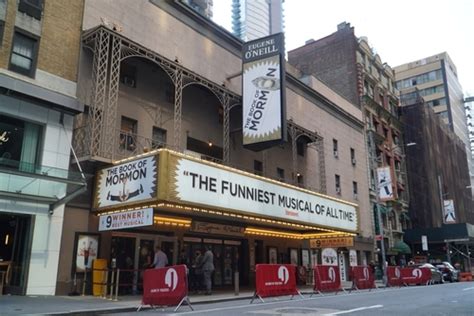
(402, 247)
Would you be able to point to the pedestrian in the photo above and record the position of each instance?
(161, 260)
(196, 272)
(207, 265)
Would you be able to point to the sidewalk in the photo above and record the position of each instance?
(83, 305)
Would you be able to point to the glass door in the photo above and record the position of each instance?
(15, 241)
(123, 251)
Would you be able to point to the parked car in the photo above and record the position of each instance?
(436, 275)
(449, 272)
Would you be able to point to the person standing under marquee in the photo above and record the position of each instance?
(207, 265)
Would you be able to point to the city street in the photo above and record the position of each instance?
(445, 299)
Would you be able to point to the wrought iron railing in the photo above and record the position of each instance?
(129, 144)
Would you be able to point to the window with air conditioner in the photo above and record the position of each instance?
(353, 159)
(158, 138)
(337, 179)
(281, 174)
(355, 190)
(335, 148)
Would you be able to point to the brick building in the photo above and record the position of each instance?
(350, 66)
(39, 53)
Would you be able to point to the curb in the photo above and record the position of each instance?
(114, 310)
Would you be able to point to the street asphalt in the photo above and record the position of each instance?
(454, 299)
(446, 299)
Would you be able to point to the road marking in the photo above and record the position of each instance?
(355, 310)
(314, 298)
(468, 288)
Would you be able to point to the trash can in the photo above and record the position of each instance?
(99, 267)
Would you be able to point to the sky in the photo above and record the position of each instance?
(400, 31)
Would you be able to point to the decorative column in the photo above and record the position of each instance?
(178, 98)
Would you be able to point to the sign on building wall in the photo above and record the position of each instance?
(329, 257)
(384, 184)
(449, 216)
(219, 229)
(122, 220)
(263, 95)
(335, 242)
(127, 183)
(192, 182)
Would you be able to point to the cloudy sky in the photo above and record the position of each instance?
(400, 31)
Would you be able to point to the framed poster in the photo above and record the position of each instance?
(294, 256)
(86, 250)
(272, 255)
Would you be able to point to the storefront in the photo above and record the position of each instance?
(184, 204)
(34, 185)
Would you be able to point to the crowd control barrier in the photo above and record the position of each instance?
(165, 287)
(394, 277)
(362, 278)
(275, 280)
(415, 276)
(326, 279)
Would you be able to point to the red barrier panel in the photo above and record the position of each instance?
(165, 286)
(326, 279)
(394, 276)
(362, 278)
(415, 275)
(275, 280)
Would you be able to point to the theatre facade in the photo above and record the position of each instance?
(186, 203)
(162, 141)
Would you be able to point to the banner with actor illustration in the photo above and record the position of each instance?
(263, 119)
(86, 251)
(128, 182)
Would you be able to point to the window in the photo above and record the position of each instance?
(334, 148)
(258, 167)
(354, 189)
(2, 29)
(158, 138)
(20, 143)
(23, 56)
(338, 184)
(281, 174)
(353, 157)
(300, 147)
(32, 8)
(128, 75)
(128, 130)
(169, 92)
(299, 179)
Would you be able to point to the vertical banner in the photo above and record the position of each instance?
(449, 216)
(342, 266)
(384, 184)
(424, 243)
(263, 84)
(352, 258)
